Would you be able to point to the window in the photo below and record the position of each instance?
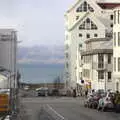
(100, 74)
(93, 26)
(67, 65)
(114, 38)
(100, 60)
(95, 35)
(88, 36)
(119, 64)
(114, 17)
(86, 73)
(84, 7)
(109, 75)
(111, 17)
(77, 17)
(88, 25)
(80, 35)
(80, 45)
(66, 46)
(66, 55)
(114, 64)
(109, 58)
(118, 38)
(118, 16)
(111, 25)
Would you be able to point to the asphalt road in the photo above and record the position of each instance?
(52, 108)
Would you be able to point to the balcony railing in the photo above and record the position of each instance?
(100, 66)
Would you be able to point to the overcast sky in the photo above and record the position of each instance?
(37, 21)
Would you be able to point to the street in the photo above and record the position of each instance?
(61, 108)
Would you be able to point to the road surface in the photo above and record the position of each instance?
(64, 108)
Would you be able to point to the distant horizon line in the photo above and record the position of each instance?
(51, 45)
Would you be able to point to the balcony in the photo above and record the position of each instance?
(100, 66)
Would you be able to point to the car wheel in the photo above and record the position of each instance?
(98, 108)
(93, 106)
(85, 105)
(104, 109)
(90, 105)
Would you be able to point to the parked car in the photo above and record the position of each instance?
(62, 92)
(106, 103)
(42, 92)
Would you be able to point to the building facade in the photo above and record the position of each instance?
(116, 48)
(97, 64)
(84, 20)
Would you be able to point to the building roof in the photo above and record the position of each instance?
(97, 51)
(105, 21)
(77, 2)
(78, 21)
(96, 1)
(96, 40)
(108, 1)
(102, 47)
(105, 45)
(4, 72)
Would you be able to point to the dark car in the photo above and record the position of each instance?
(88, 101)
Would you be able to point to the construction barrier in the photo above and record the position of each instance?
(4, 103)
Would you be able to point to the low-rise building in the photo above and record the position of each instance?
(97, 64)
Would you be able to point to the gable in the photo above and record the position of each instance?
(88, 22)
(91, 6)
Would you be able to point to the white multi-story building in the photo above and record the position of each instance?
(116, 48)
(97, 64)
(84, 20)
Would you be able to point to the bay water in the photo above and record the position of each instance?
(40, 73)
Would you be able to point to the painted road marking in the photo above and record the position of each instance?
(55, 112)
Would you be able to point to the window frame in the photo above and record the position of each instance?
(118, 64)
(114, 38)
(118, 38)
(109, 76)
(87, 35)
(101, 75)
(95, 35)
(115, 64)
(111, 17)
(80, 35)
(109, 59)
(114, 17)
